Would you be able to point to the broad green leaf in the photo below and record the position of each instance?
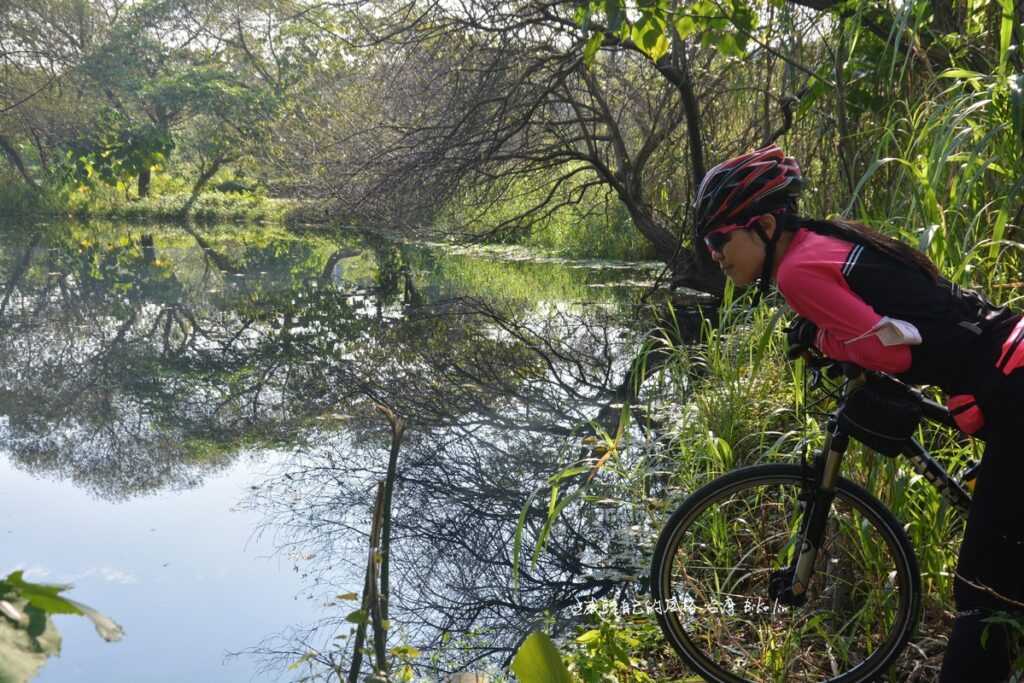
(816, 87)
(537, 661)
(743, 18)
(406, 651)
(44, 596)
(360, 616)
(591, 48)
(729, 46)
(660, 47)
(685, 27)
(589, 637)
(649, 35)
(655, 30)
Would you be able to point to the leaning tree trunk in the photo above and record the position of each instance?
(688, 268)
(200, 184)
(15, 158)
(144, 179)
(693, 267)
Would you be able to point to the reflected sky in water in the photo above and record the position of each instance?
(180, 572)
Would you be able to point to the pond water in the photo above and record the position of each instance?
(190, 433)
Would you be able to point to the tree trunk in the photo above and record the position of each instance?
(223, 262)
(369, 605)
(688, 268)
(40, 150)
(148, 248)
(144, 178)
(15, 158)
(665, 243)
(397, 432)
(700, 268)
(200, 184)
(380, 633)
(18, 273)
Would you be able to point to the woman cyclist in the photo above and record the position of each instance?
(862, 297)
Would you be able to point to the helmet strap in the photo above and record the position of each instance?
(783, 221)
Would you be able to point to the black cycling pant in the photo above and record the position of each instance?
(991, 556)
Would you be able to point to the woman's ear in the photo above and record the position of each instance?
(768, 224)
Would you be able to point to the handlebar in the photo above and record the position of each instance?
(833, 369)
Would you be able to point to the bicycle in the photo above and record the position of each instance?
(790, 572)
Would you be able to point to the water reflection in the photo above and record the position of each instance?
(135, 361)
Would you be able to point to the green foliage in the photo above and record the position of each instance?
(27, 635)
(726, 26)
(514, 274)
(948, 178)
(538, 661)
(611, 651)
(605, 231)
(120, 150)
(137, 86)
(210, 207)
(734, 391)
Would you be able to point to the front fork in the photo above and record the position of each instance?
(789, 585)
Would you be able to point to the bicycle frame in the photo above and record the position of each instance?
(789, 585)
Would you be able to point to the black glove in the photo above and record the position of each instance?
(800, 337)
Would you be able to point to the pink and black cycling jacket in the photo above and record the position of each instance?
(884, 315)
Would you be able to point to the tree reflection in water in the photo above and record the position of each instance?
(142, 363)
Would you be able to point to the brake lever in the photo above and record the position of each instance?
(815, 378)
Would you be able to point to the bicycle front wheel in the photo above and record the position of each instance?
(713, 564)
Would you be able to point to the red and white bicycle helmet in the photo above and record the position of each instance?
(757, 182)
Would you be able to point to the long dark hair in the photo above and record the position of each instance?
(858, 233)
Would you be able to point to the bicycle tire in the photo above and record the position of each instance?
(866, 580)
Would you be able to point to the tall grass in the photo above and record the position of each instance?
(731, 392)
(949, 175)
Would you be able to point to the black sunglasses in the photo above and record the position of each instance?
(716, 240)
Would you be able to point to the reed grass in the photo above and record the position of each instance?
(948, 179)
